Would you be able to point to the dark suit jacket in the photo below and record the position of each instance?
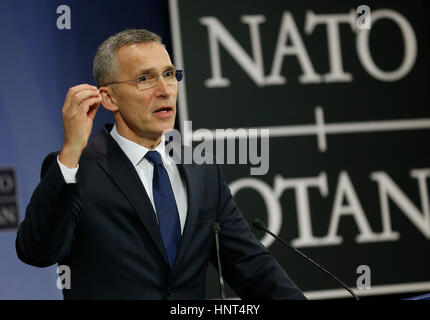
(105, 229)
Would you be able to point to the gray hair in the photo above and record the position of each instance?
(104, 65)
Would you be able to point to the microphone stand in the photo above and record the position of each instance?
(216, 228)
(260, 226)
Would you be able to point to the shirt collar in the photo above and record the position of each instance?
(135, 152)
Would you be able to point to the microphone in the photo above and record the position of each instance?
(260, 226)
(215, 228)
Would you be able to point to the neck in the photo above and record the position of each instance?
(148, 141)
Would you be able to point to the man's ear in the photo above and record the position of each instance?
(109, 100)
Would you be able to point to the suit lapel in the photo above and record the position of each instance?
(192, 180)
(121, 170)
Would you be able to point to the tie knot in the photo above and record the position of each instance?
(154, 157)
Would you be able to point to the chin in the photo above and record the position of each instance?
(168, 126)
(161, 129)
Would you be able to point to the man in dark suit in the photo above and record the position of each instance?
(129, 222)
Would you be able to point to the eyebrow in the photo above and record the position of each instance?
(152, 70)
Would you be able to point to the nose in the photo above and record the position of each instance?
(161, 87)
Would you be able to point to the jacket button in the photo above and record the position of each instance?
(169, 292)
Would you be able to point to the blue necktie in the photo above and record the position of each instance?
(165, 204)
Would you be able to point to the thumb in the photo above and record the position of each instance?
(93, 110)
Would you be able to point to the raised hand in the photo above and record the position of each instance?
(79, 110)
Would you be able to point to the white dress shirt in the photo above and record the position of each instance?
(145, 169)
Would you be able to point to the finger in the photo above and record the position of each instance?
(93, 110)
(74, 90)
(81, 87)
(83, 95)
(73, 107)
(85, 106)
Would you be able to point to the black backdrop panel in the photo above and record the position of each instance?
(352, 184)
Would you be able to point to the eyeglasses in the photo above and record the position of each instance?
(149, 80)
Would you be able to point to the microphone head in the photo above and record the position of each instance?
(215, 226)
(259, 225)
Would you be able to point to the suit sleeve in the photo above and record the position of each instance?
(247, 265)
(45, 235)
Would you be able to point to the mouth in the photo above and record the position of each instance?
(165, 111)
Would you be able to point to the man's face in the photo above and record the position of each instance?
(138, 109)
